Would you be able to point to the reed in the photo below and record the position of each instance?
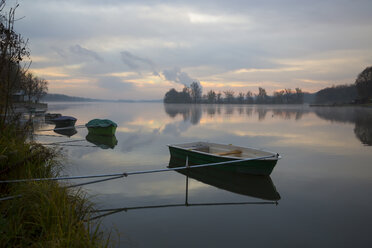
(48, 214)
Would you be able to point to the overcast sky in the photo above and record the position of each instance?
(115, 49)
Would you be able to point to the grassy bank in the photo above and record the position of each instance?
(46, 214)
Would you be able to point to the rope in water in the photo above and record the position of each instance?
(114, 211)
(69, 145)
(61, 142)
(135, 172)
(49, 135)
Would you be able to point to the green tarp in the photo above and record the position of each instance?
(100, 123)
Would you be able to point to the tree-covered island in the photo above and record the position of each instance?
(358, 93)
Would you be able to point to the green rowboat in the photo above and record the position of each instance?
(245, 184)
(101, 127)
(204, 153)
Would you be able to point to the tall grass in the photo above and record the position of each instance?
(47, 214)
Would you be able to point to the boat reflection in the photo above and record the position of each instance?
(110, 211)
(66, 131)
(260, 187)
(250, 185)
(104, 142)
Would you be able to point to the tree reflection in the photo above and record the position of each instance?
(288, 115)
(189, 112)
(193, 112)
(363, 127)
(361, 117)
(261, 113)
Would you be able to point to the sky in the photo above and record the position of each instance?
(116, 49)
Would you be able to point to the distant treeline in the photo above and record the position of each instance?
(193, 94)
(337, 94)
(359, 92)
(65, 98)
(62, 98)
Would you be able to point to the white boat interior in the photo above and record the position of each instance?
(224, 150)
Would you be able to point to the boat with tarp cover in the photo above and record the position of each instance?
(101, 127)
(248, 160)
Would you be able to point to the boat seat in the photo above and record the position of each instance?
(233, 152)
(201, 149)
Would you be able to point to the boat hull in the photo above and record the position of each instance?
(254, 167)
(64, 121)
(245, 184)
(105, 131)
(102, 127)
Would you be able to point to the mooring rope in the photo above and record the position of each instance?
(118, 210)
(69, 145)
(49, 135)
(10, 197)
(61, 142)
(125, 174)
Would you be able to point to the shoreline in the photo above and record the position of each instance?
(45, 213)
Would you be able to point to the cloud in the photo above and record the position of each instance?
(78, 50)
(59, 51)
(134, 62)
(176, 75)
(221, 42)
(176, 128)
(136, 140)
(114, 84)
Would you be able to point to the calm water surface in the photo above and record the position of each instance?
(324, 179)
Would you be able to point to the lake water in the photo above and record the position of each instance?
(324, 178)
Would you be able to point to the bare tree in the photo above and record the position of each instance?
(13, 49)
(229, 96)
(196, 92)
(261, 96)
(249, 97)
(211, 96)
(240, 97)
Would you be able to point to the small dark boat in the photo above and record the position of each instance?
(102, 141)
(64, 121)
(50, 116)
(101, 127)
(254, 161)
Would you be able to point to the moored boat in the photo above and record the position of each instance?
(64, 121)
(251, 161)
(101, 127)
(245, 184)
(51, 116)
